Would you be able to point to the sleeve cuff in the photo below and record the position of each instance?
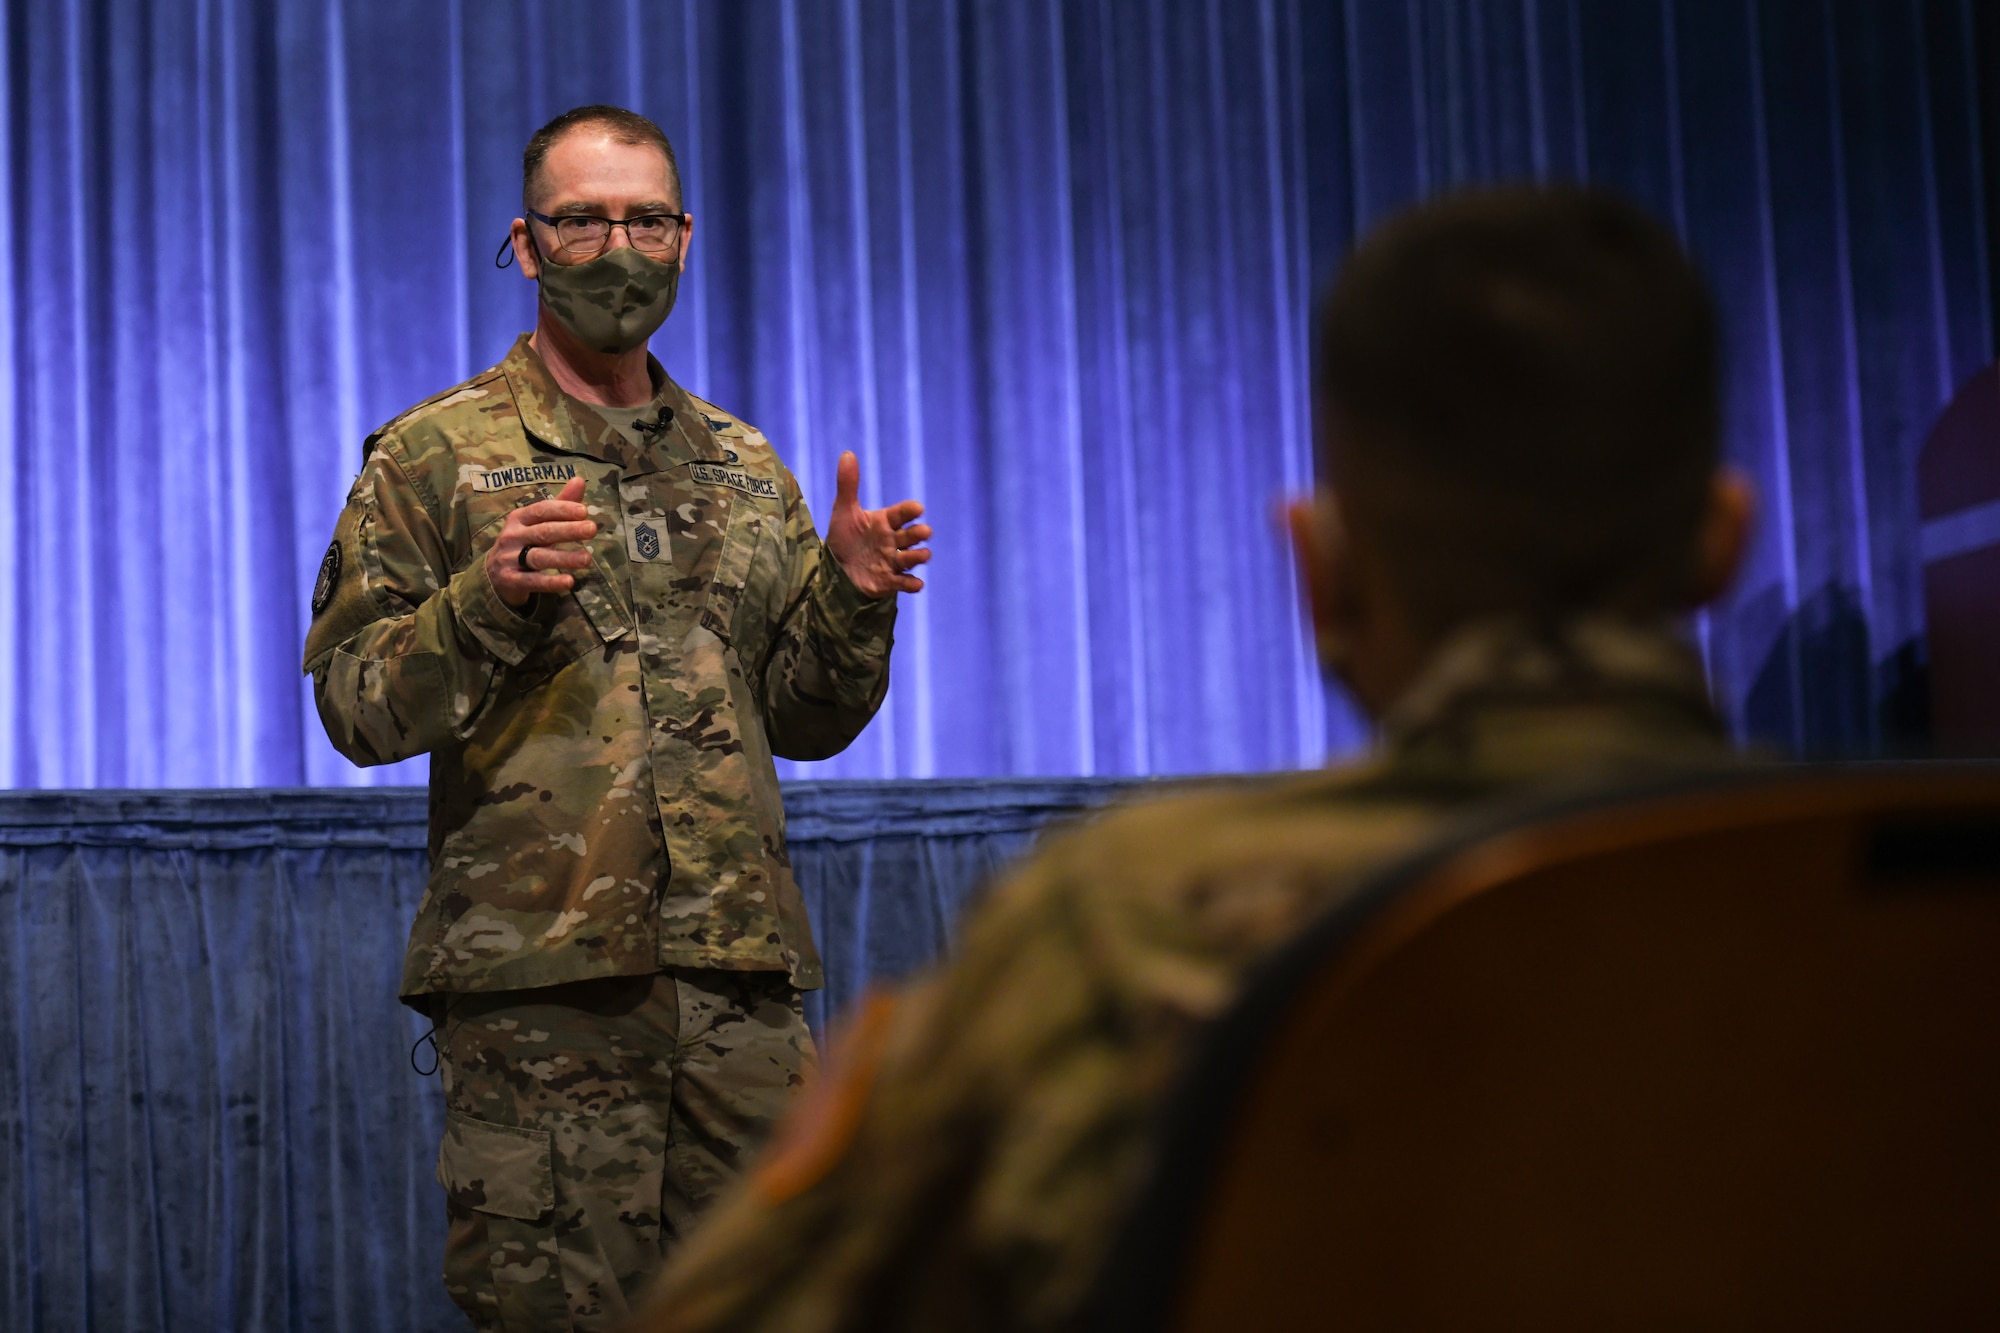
(504, 632)
(846, 605)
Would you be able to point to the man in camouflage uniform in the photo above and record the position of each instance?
(600, 605)
(1517, 403)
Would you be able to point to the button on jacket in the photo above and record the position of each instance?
(603, 799)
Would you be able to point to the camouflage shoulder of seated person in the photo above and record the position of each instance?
(995, 1147)
(1002, 1129)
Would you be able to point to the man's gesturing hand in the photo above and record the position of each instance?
(877, 547)
(543, 529)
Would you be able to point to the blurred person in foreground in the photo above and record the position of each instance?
(600, 605)
(1517, 418)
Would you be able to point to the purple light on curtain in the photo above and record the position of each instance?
(1047, 265)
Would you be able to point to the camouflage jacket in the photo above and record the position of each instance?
(972, 1146)
(603, 800)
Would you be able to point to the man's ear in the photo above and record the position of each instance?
(687, 239)
(1725, 533)
(1319, 545)
(524, 249)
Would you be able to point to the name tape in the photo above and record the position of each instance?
(528, 474)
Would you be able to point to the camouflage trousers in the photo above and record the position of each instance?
(587, 1126)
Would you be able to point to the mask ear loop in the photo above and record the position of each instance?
(505, 256)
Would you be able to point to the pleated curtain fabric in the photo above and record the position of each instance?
(1048, 266)
(209, 1115)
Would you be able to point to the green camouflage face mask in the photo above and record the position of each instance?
(614, 302)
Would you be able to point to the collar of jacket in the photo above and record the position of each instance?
(1506, 700)
(546, 415)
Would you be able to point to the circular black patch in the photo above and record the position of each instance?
(329, 577)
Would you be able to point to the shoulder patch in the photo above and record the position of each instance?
(329, 577)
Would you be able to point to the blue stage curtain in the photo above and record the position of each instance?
(1045, 264)
(208, 1117)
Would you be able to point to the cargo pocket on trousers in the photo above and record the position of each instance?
(501, 1262)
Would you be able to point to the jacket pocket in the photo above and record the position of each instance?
(599, 594)
(497, 1169)
(382, 709)
(732, 569)
(581, 621)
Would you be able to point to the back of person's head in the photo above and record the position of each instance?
(1517, 400)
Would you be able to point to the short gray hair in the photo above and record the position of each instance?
(622, 125)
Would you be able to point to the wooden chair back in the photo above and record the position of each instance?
(1720, 1058)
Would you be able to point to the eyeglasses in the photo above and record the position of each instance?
(584, 236)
